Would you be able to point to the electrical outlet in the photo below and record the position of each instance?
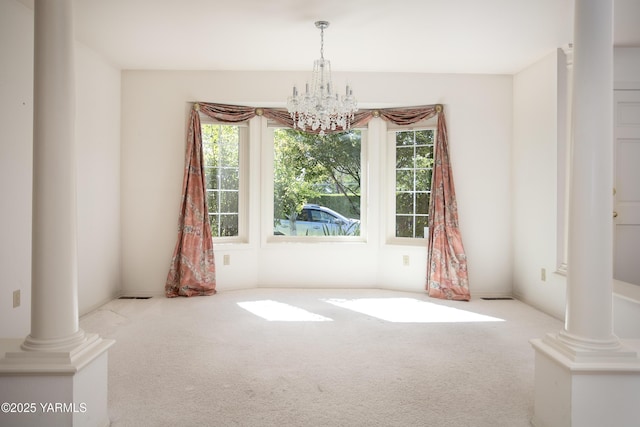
(405, 260)
(16, 298)
(226, 259)
(543, 274)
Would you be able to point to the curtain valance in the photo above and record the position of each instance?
(236, 113)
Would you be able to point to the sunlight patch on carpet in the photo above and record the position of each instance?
(281, 312)
(409, 310)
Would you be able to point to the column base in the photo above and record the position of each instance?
(57, 345)
(575, 387)
(56, 388)
(580, 349)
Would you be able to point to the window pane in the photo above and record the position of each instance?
(404, 180)
(228, 201)
(404, 203)
(221, 149)
(211, 177)
(424, 156)
(423, 179)
(422, 203)
(421, 223)
(213, 221)
(405, 138)
(424, 137)
(404, 226)
(404, 157)
(209, 137)
(212, 201)
(228, 178)
(304, 215)
(229, 225)
(322, 172)
(414, 169)
(229, 155)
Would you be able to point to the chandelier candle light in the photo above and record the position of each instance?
(319, 108)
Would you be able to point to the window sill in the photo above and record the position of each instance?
(408, 241)
(276, 240)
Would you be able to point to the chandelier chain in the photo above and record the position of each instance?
(322, 42)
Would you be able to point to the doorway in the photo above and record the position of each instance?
(626, 247)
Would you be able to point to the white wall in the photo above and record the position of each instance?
(98, 186)
(98, 145)
(538, 93)
(534, 186)
(16, 135)
(154, 115)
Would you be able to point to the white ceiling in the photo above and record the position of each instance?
(440, 36)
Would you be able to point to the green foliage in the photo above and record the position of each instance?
(339, 203)
(351, 230)
(292, 183)
(220, 145)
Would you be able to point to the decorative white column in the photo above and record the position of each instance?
(58, 371)
(585, 376)
(54, 272)
(589, 323)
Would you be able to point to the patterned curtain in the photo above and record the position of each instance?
(192, 266)
(446, 263)
(193, 270)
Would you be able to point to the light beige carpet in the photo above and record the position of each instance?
(330, 358)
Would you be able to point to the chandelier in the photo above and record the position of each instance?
(319, 107)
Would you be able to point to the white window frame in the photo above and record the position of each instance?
(243, 181)
(267, 190)
(390, 215)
